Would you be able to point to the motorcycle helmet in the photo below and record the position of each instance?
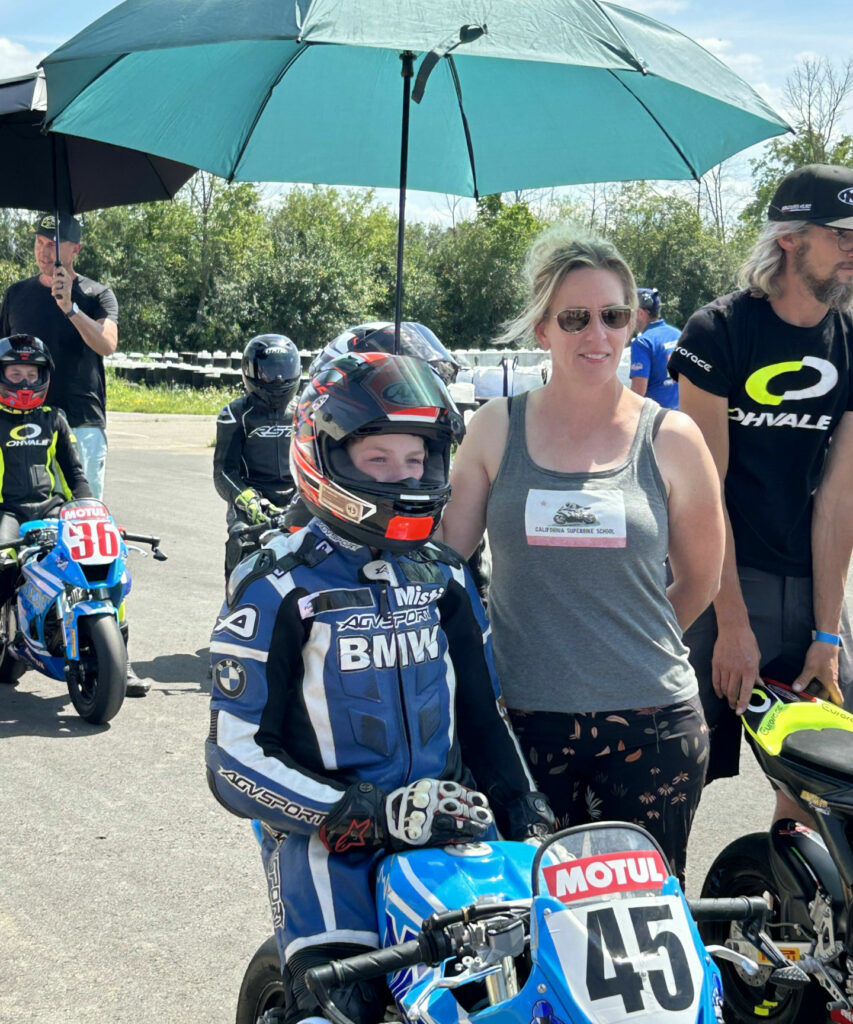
(24, 350)
(416, 340)
(271, 369)
(362, 395)
(649, 299)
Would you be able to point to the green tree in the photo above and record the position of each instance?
(816, 94)
(669, 247)
(332, 264)
(477, 271)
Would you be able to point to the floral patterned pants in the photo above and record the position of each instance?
(644, 765)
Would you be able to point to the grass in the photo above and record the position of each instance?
(122, 396)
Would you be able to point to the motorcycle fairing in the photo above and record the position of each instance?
(413, 886)
(56, 585)
(772, 716)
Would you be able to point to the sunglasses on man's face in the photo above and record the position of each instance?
(843, 237)
(574, 320)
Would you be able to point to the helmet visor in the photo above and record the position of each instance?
(276, 367)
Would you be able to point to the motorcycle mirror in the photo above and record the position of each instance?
(158, 555)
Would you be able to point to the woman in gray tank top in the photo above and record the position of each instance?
(586, 490)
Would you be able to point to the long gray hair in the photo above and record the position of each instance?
(554, 254)
(761, 269)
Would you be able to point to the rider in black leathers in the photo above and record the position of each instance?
(39, 464)
(251, 463)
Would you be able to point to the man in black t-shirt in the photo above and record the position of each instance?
(77, 319)
(767, 374)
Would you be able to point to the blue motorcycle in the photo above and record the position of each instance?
(67, 618)
(589, 927)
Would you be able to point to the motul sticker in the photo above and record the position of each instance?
(606, 873)
(85, 512)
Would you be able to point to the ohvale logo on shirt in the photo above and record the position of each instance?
(758, 387)
(28, 434)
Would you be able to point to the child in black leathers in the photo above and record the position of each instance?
(251, 463)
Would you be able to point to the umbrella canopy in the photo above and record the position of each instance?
(48, 171)
(541, 93)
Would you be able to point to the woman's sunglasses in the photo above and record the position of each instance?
(572, 321)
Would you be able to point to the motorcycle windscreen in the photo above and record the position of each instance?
(622, 939)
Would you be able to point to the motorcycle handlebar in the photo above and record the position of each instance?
(141, 538)
(247, 531)
(732, 908)
(374, 964)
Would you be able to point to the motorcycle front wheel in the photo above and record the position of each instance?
(743, 869)
(97, 682)
(263, 986)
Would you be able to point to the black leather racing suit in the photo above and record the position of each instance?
(253, 450)
(39, 470)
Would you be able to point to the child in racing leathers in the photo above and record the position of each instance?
(251, 462)
(355, 709)
(39, 464)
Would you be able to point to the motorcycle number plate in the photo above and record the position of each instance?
(91, 542)
(629, 959)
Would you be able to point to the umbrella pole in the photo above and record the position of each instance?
(408, 59)
(57, 261)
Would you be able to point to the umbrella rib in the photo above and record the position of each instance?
(466, 128)
(656, 120)
(262, 107)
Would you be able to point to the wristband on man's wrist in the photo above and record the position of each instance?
(826, 638)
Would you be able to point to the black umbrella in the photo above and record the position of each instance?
(50, 171)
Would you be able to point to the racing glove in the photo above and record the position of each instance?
(248, 505)
(530, 817)
(425, 813)
(434, 813)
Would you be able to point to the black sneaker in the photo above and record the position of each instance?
(136, 687)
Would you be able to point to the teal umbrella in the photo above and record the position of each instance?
(510, 94)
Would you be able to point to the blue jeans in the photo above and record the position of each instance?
(92, 446)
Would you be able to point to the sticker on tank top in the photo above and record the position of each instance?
(575, 519)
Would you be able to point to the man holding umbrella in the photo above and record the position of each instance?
(77, 319)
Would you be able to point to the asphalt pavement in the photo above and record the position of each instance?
(129, 895)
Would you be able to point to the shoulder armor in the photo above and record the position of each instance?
(277, 556)
(436, 551)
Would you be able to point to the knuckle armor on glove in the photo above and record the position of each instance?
(434, 813)
(356, 824)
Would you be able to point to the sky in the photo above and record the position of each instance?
(761, 40)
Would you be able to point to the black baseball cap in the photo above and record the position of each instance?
(649, 299)
(70, 230)
(817, 193)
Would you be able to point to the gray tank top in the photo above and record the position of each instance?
(578, 606)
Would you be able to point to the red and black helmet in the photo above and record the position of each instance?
(357, 396)
(24, 350)
(415, 340)
(271, 369)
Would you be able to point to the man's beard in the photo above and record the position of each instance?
(829, 291)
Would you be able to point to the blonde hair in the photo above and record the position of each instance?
(761, 269)
(554, 254)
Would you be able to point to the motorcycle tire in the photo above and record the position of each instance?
(263, 985)
(743, 869)
(97, 683)
(11, 669)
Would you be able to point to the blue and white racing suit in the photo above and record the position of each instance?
(650, 352)
(330, 666)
